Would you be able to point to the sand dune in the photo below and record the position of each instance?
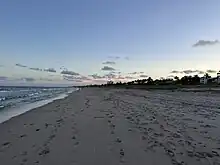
(116, 126)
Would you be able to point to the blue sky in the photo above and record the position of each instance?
(153, 37)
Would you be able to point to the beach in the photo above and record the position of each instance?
(97, 126)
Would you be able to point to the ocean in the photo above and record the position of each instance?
(17, 100)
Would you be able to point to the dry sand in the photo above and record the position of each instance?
(116, 126)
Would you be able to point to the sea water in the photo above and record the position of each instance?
(17, 100)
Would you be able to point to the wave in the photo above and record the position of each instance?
(16, 96)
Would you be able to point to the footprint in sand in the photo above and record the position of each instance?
(112, 125)
(169, 152)
(76, 143)
(6, 144)
(52, 136)
(129, 130)
(46, 125)
(122, 153)
(37, 162)
(59, 120)
(74, 137)
(24, 135)
(44, 152)
(118, 140)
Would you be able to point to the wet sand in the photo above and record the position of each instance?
(116, 126)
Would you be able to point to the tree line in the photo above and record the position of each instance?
(185, 80)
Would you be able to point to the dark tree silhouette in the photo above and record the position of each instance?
(150, 81)
(207, 76)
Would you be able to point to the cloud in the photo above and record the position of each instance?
(188, 71)
(46, 79)
(136, 73)
(68, 78)
(28, 79)
(127, 58)
(72, 79)
(63, 68)
(107, 68)
(175, 71)
(114, 57)
(84, 78)
(192, 71)
(96, 76)
(211, 71)
(79, 81)
(129, 77)
(75, 78)
(50, 70)
(200, 72)
(205, 43)
(3, 78)
(109, 63)
(143, 76)
(20, 65)
(110, 76)
(133, 73)
(121, 77)
(36, 69)
(1, 65)
(171, 76)
(113, 72)
(66, 72)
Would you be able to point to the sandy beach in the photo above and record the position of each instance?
(116, 126)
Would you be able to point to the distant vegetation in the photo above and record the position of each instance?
(186, 80)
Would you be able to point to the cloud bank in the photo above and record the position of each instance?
(135, 73)
(205, 43)
(36, 69)
(143, 76)
(3, 78)
(20, 65)
(109, 63)
(175, 71)
(67, 72)
(107, 68)
(75, 78)
(188, 71)
(50, 70)
(211, 71)
(110, 76)
(96, 76)
(28, 79)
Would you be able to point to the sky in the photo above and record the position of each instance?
(77, 42)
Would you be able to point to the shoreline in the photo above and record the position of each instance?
(12, 112)
(116, 126)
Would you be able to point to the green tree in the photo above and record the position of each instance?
(207, 76)
(150, 81)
